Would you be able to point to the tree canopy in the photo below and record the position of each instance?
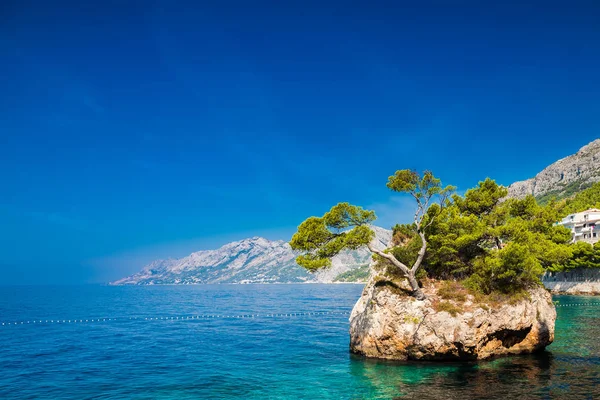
(489, 242)
(347, 227)
(584, 255)
(588, 198)
(320, 238)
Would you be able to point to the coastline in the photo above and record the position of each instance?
(584, 282)
(239, 283)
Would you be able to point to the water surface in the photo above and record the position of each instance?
(282, 357)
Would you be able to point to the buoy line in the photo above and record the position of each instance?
(577, 304)
(170, 318)
(204, 317)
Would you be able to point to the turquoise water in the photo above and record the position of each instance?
(275, 357)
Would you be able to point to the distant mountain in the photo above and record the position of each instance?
(563, 178)
(254, 260)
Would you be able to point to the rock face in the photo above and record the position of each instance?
(565, 176)
(254, 260)
(387, 323)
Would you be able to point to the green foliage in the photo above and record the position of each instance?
(463, 231)
(492, 245)
(586, 199)
(407, 181)
(496, 299)
(402, 233)
(512, 268)
(407, 244)
(563, 192)
(344, 227)
(584, 256)
(354, 275)
(411, 319)
(495, 245)
(424, 189)
(448, 307)
(452, 290)
(347, 227)
(482, 200)
(403, 181)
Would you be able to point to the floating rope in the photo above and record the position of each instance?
(206, 317)
(577, 304)
(170, 318)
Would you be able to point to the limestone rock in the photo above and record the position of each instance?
(388, 323)
(573, 172)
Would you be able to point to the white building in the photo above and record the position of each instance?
(585, 225)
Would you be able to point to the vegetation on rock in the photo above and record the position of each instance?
(583, 200)
(495, 245)
(359, 274)
(484, 240)
(346, 226)
(563, 192)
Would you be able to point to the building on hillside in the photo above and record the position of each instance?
(585, 225)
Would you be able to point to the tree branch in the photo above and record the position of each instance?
(390, 258)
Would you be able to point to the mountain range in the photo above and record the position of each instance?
(254, 260)
(258, 260)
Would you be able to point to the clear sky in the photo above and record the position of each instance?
(136, 130)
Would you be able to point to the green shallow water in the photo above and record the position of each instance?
(285, 357)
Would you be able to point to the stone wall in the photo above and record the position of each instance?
(577, 281)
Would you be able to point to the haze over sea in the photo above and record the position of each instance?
(302, 356)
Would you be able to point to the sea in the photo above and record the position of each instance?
(254, 342)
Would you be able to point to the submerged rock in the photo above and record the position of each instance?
(388, 323)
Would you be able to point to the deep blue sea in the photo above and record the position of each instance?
(209, 351)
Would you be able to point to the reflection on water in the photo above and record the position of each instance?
(541, 375)
(570, 368)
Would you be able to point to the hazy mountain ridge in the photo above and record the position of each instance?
(563, 177)
(253, 260)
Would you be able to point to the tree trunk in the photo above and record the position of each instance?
(410, 274)
(421, 254)
(414, 285)
(498, 243)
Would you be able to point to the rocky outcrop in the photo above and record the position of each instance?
(388, 323)
(565, 176)
(576, 282)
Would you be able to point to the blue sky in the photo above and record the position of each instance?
(136, 130)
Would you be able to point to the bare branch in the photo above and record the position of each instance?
(390, 258)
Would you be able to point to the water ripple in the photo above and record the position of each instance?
(293, 356)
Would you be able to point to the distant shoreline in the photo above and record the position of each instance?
(234, 283)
